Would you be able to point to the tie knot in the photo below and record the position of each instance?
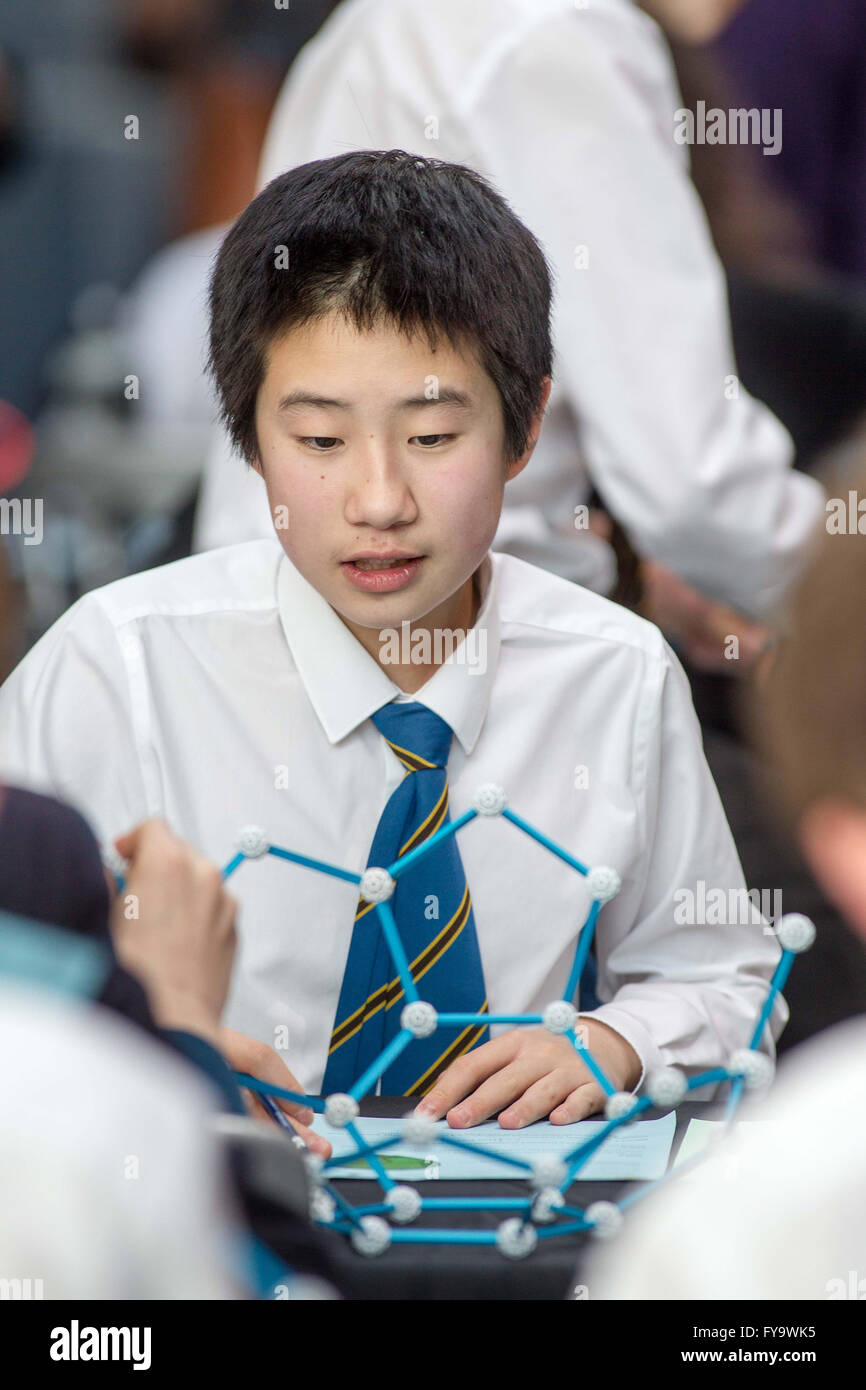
(418, 736)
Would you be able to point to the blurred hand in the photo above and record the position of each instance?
(173, 927)
(258, 1060)
(700, 626)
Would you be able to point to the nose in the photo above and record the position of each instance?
(378, 494)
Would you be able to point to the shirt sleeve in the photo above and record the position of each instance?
(576, 127)
(685, 957)
(68, 725)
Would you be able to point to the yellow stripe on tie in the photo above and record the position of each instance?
(430, 824)
(462, 1043)
(388, 995)
(413, 760)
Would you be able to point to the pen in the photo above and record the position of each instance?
(277, 1114)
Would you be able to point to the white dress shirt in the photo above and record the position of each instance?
(777, 1212)
(569, 111)
(223, 691)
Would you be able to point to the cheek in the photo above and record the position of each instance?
(470, 495)
(299, 488)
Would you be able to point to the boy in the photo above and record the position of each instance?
(381, 347)
(778, 1212)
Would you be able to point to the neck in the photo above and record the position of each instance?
(411, 654)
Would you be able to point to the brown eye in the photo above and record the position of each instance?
(429, 441)
(321, 442)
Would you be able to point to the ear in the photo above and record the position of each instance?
(517, 465)
(832, 835)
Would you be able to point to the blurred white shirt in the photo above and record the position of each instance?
(111, 1187)
(569, 111)
(778, 1212)
(223, 691)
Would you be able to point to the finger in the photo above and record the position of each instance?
(468, 1072)
(538, 1100)
(302, 1113)
(313, 1141)
(261, 1061)
(500, 1089)
(128, 843)
(290, 1108)
(586, 1100)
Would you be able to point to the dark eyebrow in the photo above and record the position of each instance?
(447, 395)
(305, 398)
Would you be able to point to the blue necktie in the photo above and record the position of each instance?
(433, 912)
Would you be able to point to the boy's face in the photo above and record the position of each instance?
(373, 444)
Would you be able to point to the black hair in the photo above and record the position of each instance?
(382, 235)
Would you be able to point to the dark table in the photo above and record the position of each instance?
(475, 1271)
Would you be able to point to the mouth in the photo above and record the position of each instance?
(375, 574)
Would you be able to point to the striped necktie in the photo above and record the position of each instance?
(434, 917)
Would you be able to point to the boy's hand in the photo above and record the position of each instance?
(535, 1074)
(257, 1059)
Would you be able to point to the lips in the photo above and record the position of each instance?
(379, 575)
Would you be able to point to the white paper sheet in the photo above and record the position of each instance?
(635, 1151)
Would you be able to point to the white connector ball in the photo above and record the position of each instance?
(619, 1104)
(419, 1131)
(559, 1016)
(340, 1109)
(757, 1068)
(373, 1236)
(604, 883)
(548, 1170)
(490, 800)
(421, 1019)
(516, 1238)
(606, 1219)
(667, 1087)
(377, 885)
(252, 841)
(322, 1205)
(795, 932)
(307, 1288)
(546, 1203)
(314, 1164)
(404, 1203)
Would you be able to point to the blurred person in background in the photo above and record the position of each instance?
(777, 1210)
(115, 1183)
(798, 304)
(809, 58)
(134, 128)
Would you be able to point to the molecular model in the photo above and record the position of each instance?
(544, 1212)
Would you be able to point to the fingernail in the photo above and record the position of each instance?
(458, 1117)
(305, 1116)
(425, 1108)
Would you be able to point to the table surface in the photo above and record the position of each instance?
(422, 1271)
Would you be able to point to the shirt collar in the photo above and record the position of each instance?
(345, 685)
